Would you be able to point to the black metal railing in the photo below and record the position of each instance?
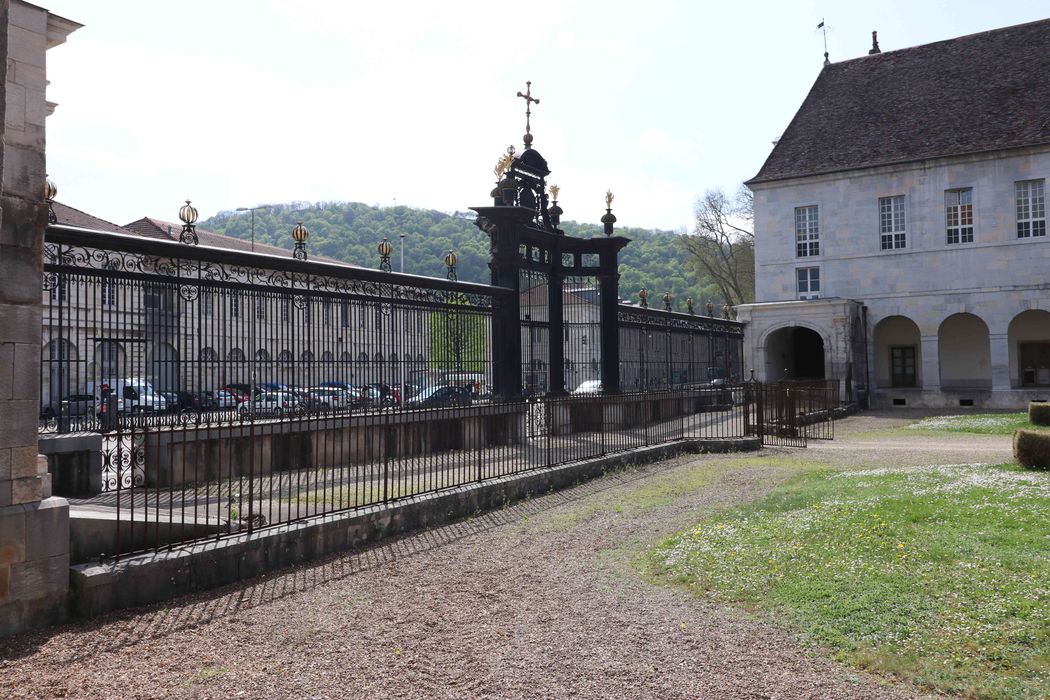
(665, 349)
(232, 391)
(210, 479)
(139, 332)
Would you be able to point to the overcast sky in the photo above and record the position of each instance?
(234, 103)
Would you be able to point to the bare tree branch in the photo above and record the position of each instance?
(722, 245)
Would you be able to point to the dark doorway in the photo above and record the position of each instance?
(794, 352)
(808, 348)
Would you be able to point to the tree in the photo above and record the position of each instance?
(458, 338)
(723, 243)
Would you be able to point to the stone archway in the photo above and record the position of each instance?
(1029, 339)
(794, 352)
(964, 353)
(898, 353)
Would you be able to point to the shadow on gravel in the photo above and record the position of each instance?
(130, 627)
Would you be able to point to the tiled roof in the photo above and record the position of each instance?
(69, 216)
(983, 92)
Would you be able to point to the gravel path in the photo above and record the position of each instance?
(538, 600)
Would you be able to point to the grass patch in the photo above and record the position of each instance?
(979, 423)
(939, 574)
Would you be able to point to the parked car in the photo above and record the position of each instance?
(441, 396)
(329, 397)
(74, 405)
(133, 395)
(591, 386)
(220, 398)
(270, 403)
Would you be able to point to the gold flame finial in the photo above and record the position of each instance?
(554, 189)
(502, 165)
(609, 197)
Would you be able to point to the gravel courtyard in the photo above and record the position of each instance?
(541, 599)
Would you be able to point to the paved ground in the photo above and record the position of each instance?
(536, 600)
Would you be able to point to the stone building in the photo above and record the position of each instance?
(901, 227)
(94, 332)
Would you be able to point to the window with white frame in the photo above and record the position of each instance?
(109, 292)
(1031, 209)
(892, 223)
(808, 282)
(807, 232)
(958, 216)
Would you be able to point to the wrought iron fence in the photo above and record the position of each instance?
(143, 332)
(665, 349)
(210, 479)
(233, 391)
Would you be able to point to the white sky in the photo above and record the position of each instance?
(233, 103)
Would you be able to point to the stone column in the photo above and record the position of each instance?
(931, 364)
(1000, 358)
(34, 527)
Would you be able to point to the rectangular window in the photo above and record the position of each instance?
(235, 305)
(808, 282)
(902, 365)
(286, 309)
(807, 232)
(260, 308)
(344, 313)
(207, 302)
(326, 312)
(958, 216)
(1031, 209)
(109, 292)
(891, 222)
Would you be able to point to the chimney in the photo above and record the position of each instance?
(874, 43)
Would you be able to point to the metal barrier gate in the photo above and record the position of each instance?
(789, 414)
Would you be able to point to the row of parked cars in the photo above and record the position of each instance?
(134, 396)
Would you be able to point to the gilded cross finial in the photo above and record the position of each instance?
(529, 99)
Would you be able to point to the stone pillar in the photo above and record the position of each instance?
(34, 527)
(1000, 358)
(931, 364)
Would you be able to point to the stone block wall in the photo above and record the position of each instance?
(34, 527)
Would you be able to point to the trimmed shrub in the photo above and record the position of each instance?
(1039, 413)
(1032, 449)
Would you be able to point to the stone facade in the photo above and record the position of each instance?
(965, 308)
(34, 527)
(880, 202)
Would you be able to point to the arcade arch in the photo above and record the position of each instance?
(794, 352)
(1029, 340)
(964, 353)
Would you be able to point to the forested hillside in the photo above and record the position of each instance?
(350, 231)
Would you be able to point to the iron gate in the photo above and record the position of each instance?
(789, 414)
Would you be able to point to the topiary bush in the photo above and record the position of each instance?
(1039, 413)
(1032, 449)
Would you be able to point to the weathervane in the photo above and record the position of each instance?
(824, 29)
(529, 99)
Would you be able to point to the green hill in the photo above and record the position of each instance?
(350, 231)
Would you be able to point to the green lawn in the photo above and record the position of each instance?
(939, 574)
(982, 423)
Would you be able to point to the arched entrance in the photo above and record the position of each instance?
(898, 353)
(794, 352)
(1029, 338)
(964, 353)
